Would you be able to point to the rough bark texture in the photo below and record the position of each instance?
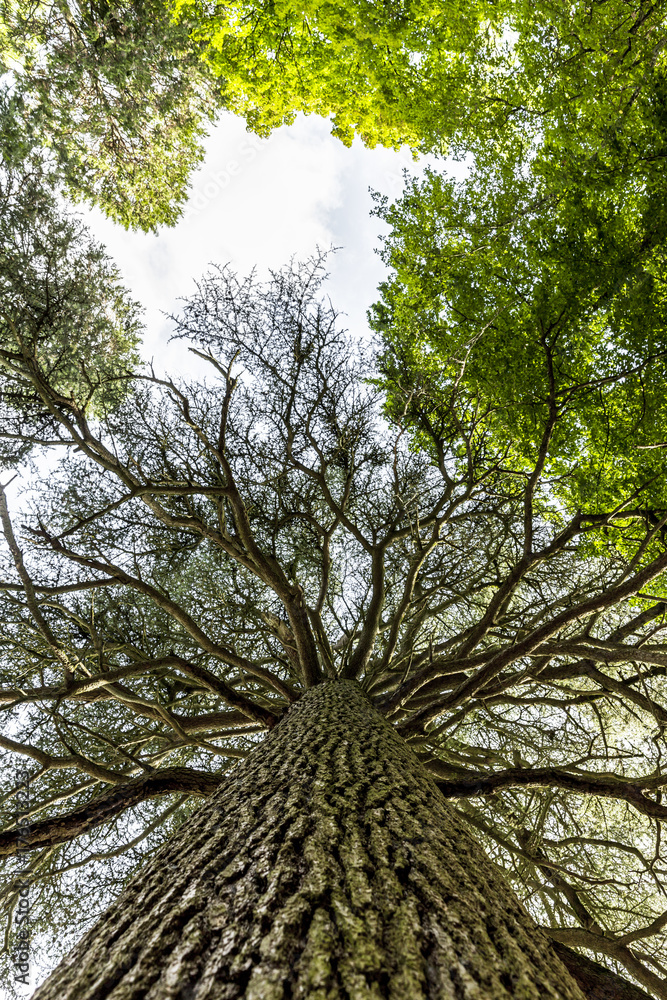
(326, 866)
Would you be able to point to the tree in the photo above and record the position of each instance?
(408, 617)
(428, 74)
(121, 94)
(63, 308)
(117, 95)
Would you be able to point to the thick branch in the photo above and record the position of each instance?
(364, 647)
(590, 784)
(105, 807)
(580, 938)
(596, 982)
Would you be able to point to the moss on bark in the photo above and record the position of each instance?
(328, 867)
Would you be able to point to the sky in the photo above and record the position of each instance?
(256, 203)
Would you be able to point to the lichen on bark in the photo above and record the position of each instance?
(327, 866)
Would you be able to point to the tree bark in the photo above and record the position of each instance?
(327, 866)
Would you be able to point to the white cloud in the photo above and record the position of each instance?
(257, 202)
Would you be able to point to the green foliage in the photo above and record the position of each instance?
(583, 69)
(120, 93)
(430, 73)
(115, 92)
(63, 310)
(534, 314)
(373, 67)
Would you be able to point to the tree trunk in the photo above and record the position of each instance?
(327, 866)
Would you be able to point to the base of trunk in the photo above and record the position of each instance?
(328, 867)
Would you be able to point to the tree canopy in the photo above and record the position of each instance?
(205, 551)
(63, 309)
(468, 518)
(435, 74)
(538, 320)
(122, 94)
(117, 96)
